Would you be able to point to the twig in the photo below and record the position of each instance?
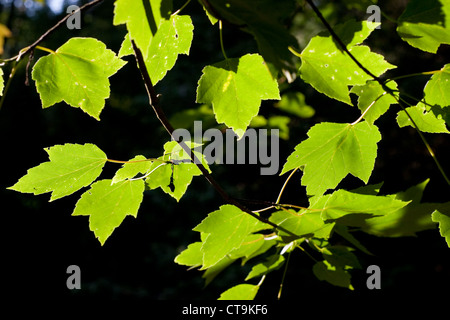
(58, 24)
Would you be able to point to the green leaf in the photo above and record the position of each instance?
(173, 37)
(341, 256)
(332, 151)
(425, 24)
(374, 96)
(426, 121)
(437, 89)
(235, 88)
(240, 292)
(216, 269)
(138, 164)
(337, 276)
(226, 230)
(108, 204)
(303, 223)
(192, 256)
(77, 73)
(272, 263)
(142, 18)
(71, 167)
(344, 233)
(406, 221)
(330, 70)
(251, 244)
(444, 224)
(2, 84)
(342, 203)
(163, 174)
(126, 48)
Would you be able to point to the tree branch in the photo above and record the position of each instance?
(31, 47)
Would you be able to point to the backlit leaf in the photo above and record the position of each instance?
(108, 204)
(425, 24)
(272, 263)
(174, 179)
(437, 89)
(337, 276)
(77, 73)
(332, 151)
(226, 230)
(406, 221)
(426, 120)
(373, 96)
(444, 224)
(142, 18)
(235, 88)
(342, 203)
(240, 292)
(173, 37)
(71, 167)
(330, 70)
(303, 223)
(138, 164)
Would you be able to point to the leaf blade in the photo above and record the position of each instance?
(71, 167)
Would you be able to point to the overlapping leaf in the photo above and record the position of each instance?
(2, 84)
(437, 89)
(272, 263)
(303, 223)
(406, 221)
(425, 24)
(138, 164)
(332, 151)
(373, 96)
(108, 204)
(330, 70)
(77, 73)
(142, 18)
(335, 275)
(71, 167)
(425, 120)
(225, 230)
(444, 224)
(264, 19)
(342, 203)
(235, 88)
(173, 37)
(174, 179)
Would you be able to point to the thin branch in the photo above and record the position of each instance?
(57, 25)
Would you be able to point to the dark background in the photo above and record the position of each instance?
(40, 239)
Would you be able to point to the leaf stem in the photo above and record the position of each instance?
(136, 161)
(425, 73)
(45, 49)
(182, 7)
(284, 185)
(284, 275)
(221, 40)
(367, 109)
